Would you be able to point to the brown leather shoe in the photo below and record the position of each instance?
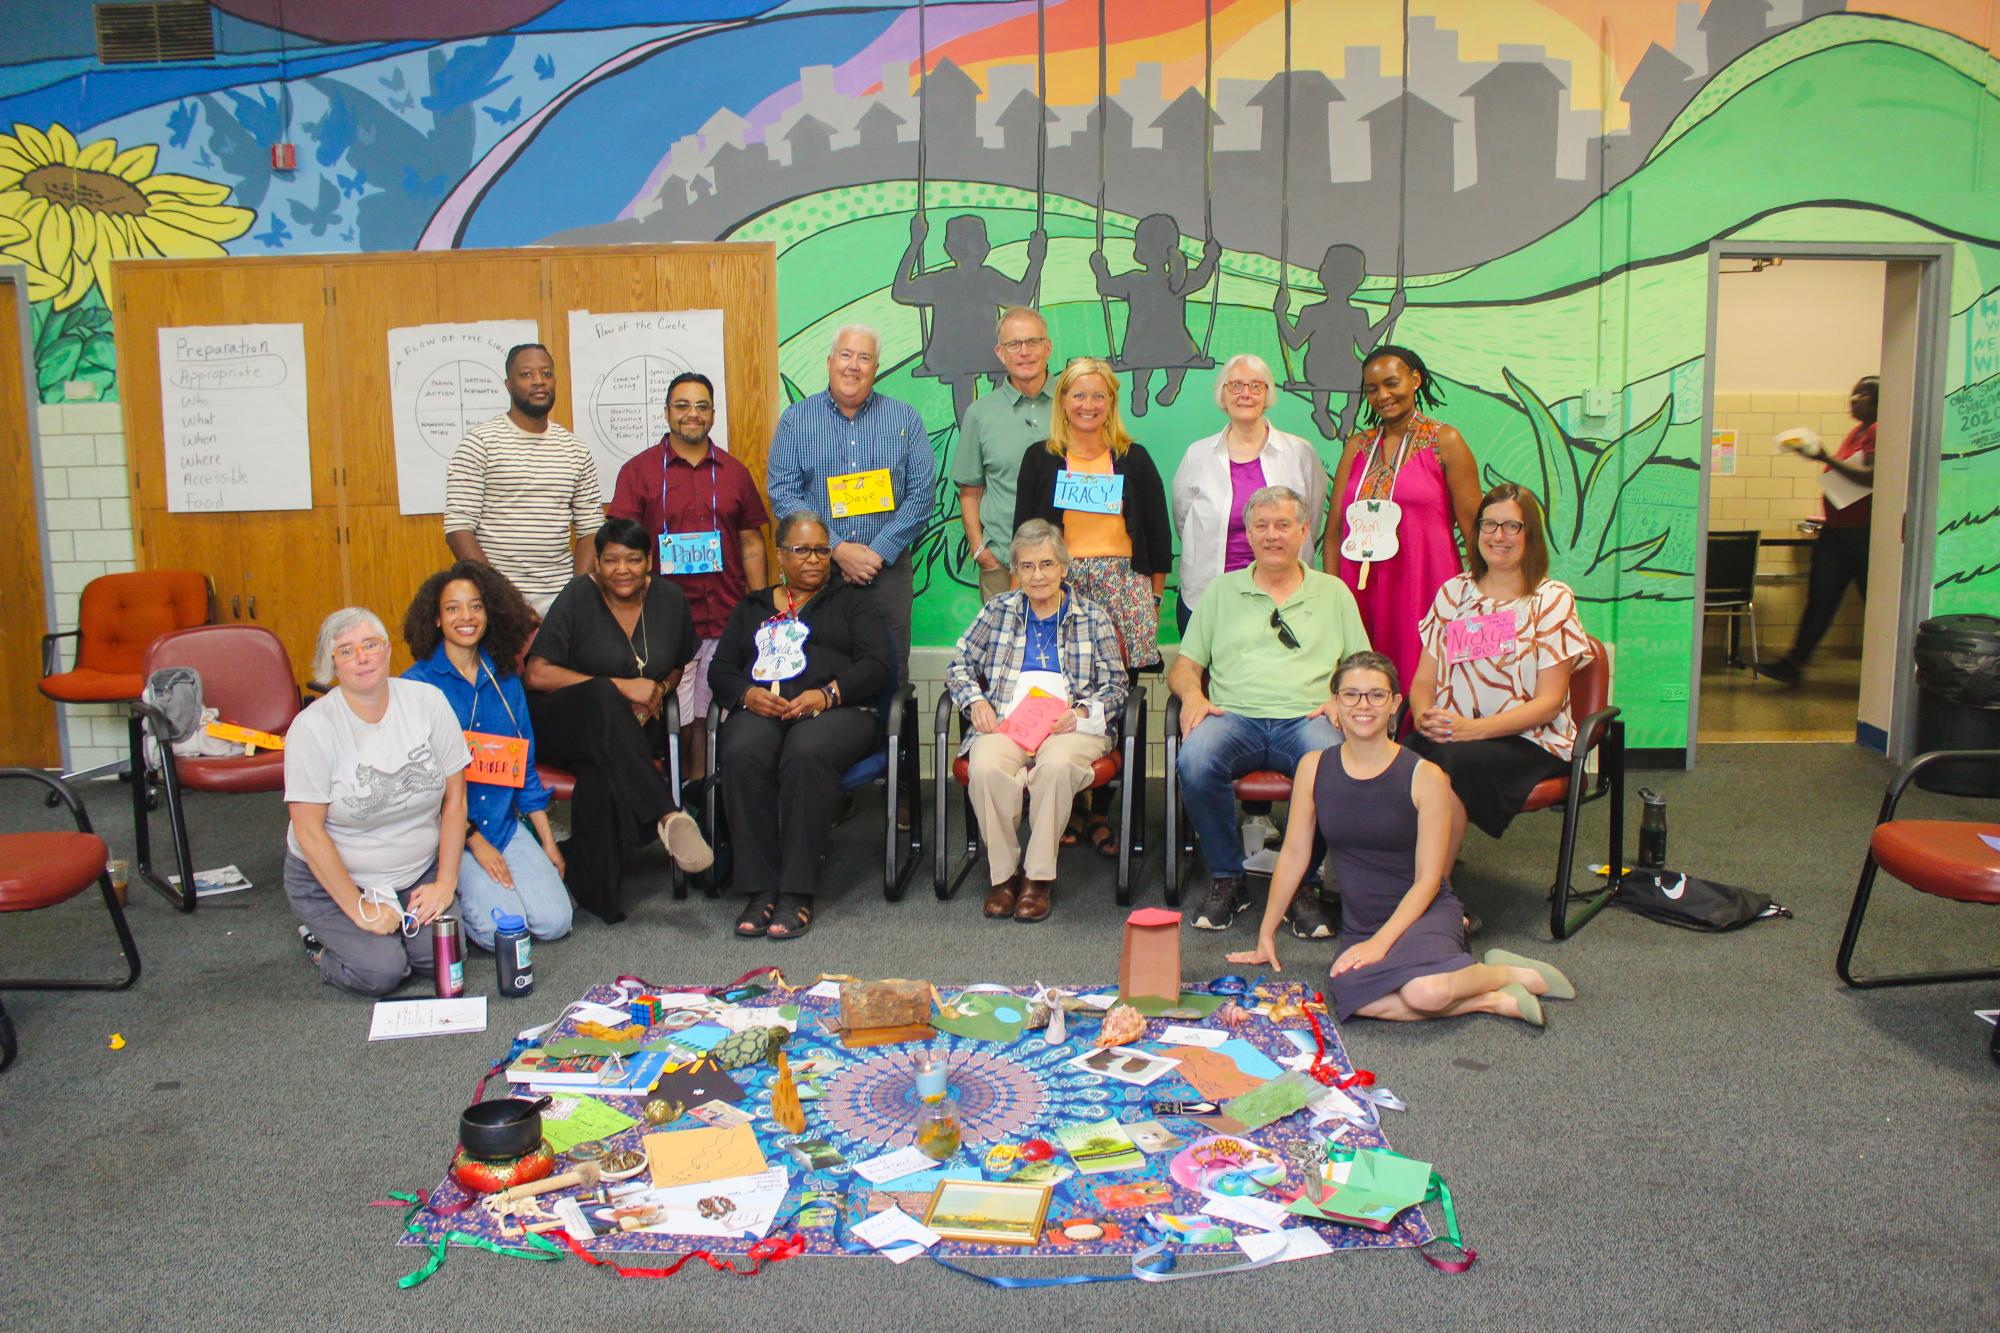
(1034, 903)
(1000, 899)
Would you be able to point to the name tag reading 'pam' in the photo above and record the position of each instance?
(1477, 638)
(1090, 492)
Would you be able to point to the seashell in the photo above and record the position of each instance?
(1084, 1231)
(1122, 1024)
(1233, 1015)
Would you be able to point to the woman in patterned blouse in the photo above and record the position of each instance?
(1491, 698)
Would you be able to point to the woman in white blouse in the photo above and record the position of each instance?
(1218, 475)
(1491, 697)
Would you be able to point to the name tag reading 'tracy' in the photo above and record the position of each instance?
(1090, 492)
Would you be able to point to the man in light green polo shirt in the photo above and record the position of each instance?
(1269, 636)
(996, 432)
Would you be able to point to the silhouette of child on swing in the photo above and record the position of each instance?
(1155, 296)
(1336, 335)
(964, 298)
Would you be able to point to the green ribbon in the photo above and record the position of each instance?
(540, 1250)
(1437, 1192)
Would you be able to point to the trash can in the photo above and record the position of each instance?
(1958, 700)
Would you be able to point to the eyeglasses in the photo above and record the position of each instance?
(683, 405)
(1511, 526)
(1241, 386)
(808, 552)
(347, 652)
(1015, 346)
(1354, 698)
(1285, 635)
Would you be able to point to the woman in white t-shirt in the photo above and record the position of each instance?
(1491, 698)
(375, 783)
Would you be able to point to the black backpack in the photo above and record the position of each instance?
(1690, 903)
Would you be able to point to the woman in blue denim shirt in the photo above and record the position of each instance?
(467, 627)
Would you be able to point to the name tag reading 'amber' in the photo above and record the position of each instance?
(500, 761)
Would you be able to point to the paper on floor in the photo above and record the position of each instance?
(1289, 1244)
(891, 1225)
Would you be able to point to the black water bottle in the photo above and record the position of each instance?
(513, 953)
(1652, 830)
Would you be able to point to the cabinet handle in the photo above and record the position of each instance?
(253, 606)
(235, 606)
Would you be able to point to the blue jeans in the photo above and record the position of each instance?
(1222, 749)
(538, 894)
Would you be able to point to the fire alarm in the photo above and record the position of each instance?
(284, 157)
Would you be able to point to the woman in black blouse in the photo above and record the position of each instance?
(800, 668)
(598, 673)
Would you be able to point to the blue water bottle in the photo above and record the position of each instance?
(511, 951)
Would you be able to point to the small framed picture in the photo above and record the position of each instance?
(987, 1212)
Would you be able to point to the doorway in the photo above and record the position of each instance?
(1792, 330)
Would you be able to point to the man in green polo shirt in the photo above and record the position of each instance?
(1268, 636)
(996, 432)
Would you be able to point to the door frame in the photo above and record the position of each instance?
(15, 274)
(1933, 322)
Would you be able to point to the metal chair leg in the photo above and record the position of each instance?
(10, 1045)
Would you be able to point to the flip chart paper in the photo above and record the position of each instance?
(233, 416)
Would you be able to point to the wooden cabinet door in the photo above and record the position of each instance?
(204, 542)
(390, 554)
(27, 720)
(292, 577)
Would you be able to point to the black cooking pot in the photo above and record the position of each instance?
(500, 1130)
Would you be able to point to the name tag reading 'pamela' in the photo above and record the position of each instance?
(1476, 638)
(1090, 492)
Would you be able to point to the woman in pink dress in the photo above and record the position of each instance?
(1399, 488)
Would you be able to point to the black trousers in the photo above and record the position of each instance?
(588, 728)
(800, 763)
(1839, 557)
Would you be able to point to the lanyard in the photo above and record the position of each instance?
(472, 723)
(666, 466)
(1402, 452)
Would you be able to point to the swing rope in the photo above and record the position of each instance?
(1403, 158)
(923, 129)
(1208, 162)
(1103, 74)
(1041, 130)
(1285, 190)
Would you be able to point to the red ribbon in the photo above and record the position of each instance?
(1323, 1070)
(771, 1249)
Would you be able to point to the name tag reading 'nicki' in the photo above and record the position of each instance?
(1476, 638)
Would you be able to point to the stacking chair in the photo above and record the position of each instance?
(1262, 788)
(1732, 588)
(42, 869)
(893, 767)
(246, 676)
(118, 615)
(1946, 858)
(1598, 731)
(1124, 767)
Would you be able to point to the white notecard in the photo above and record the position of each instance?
(888, 1166)
(1260, 1213)
(892, 1225)
(396, 1019)
(1292, 1243)
(1180, 1034)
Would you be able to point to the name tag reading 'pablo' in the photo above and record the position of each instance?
(852, 494)
(690, 553)
(499, 761)
(1476, 638)
(1090, 492)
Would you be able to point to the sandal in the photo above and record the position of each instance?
(1073, 830)
(755, 919)
(1103, 838)
(793, 916)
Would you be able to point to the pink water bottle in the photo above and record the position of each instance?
(448, 951)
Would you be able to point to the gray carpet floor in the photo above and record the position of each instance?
(1716, 1133)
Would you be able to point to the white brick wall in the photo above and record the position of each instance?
(84, 487)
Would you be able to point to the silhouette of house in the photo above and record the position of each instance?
(1733, 27)
(949, 117)
(1429, 166)
(1516, 116)
(1661, 84)
(879, 127)
(1311, 137)
(811, 143)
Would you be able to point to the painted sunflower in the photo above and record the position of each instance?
(83, 207)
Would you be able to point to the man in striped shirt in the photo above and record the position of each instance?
(521, 492)
(863, 463)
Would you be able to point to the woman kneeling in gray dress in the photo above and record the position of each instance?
(1386, 816)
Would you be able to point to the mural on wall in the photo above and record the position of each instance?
(1522, 189)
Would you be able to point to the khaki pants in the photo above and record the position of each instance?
(994, 582)
(1001, 771)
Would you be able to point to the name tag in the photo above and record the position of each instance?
(499, 761)
(781, 650)
(852, 494)
(251, 740)
(690, 553)
(1476, 638)
(1090, 492)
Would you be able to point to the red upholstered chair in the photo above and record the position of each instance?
(1125, 766)
(1598, 731)
(43, 869)
(1945, 858)
(120, 614)
(246, 677)
(1263, 787)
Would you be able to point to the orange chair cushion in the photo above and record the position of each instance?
(85, 686)
(1548, 792)
(42, 869)
(1941, 856)
(1103, 769)
(560, 782)
(119, 614)
(1264, 785)
(263, 771)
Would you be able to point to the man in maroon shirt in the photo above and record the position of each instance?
(1840, 552)
(705, 516)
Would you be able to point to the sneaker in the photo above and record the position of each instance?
(312, 945)
(1224, 901)
(1307, 915)
(681, 836)
(1784, 670)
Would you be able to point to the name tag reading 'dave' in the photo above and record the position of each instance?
(500, 761)
(852, 494)
(690, 553)
(1090, 492)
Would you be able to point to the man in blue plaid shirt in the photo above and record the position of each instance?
(862, 462)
